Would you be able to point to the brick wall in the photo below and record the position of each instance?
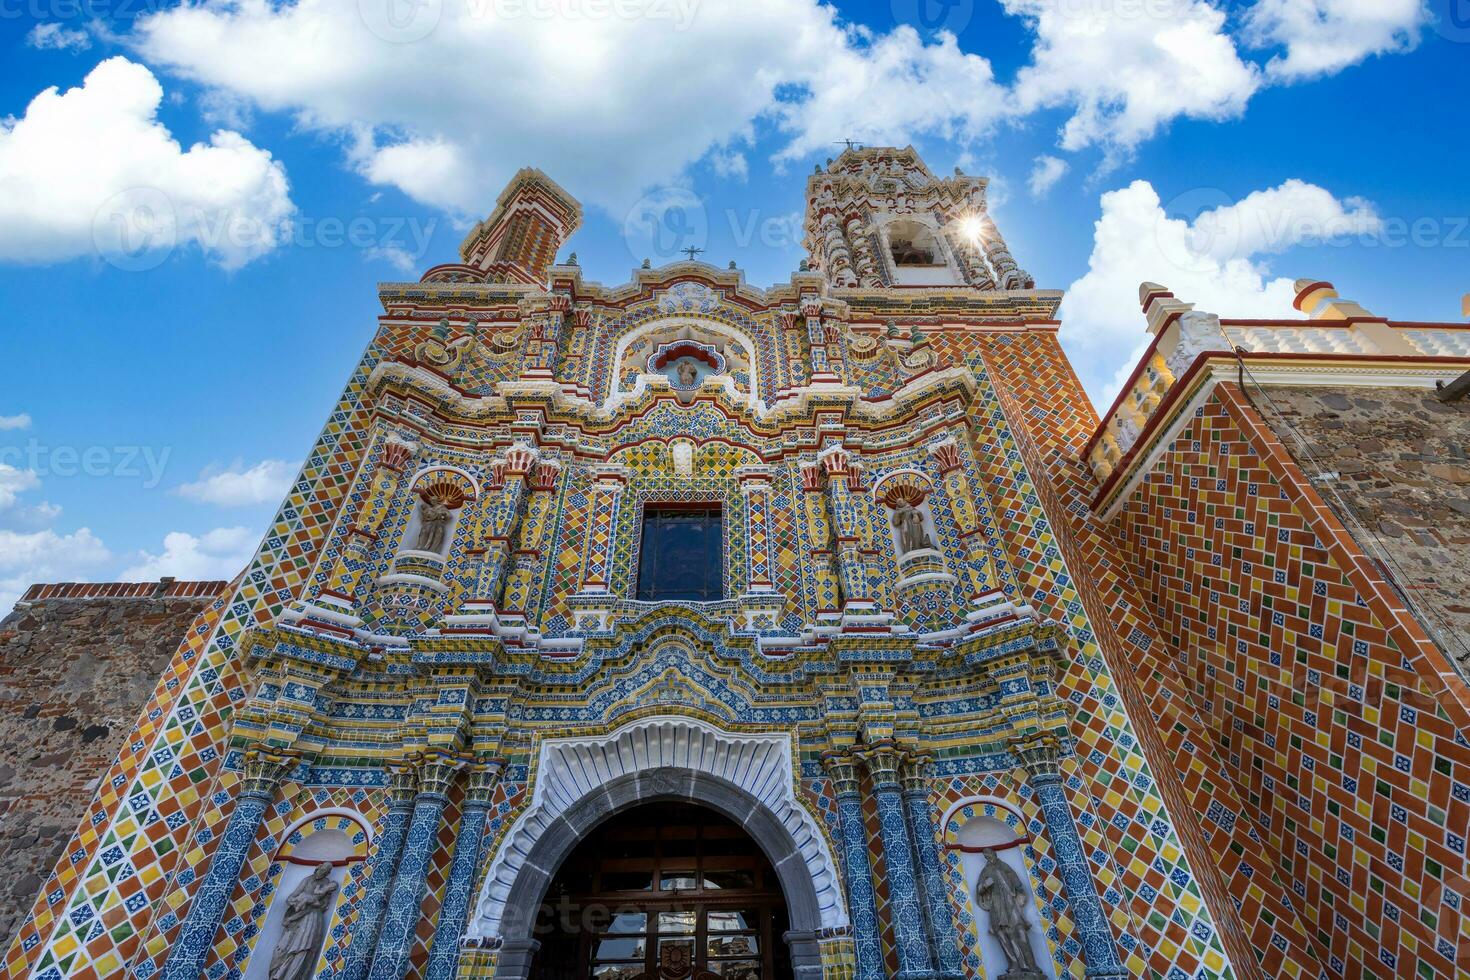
(1395, 461)
(76, 663)
(1342, 727)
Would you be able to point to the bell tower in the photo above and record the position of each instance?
(877, 218)
(519, 241)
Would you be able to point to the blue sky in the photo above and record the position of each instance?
(196, 201)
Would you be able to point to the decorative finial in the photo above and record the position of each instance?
(732, 265)
(648, 263)
(692, 252)
(958, 172)
(572, 260)
(804, 267)
(816, 168)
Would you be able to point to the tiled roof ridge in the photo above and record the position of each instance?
(165, 588)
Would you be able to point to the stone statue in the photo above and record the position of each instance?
(305, 924)
(1001, 893)
(909, 523)
(688, 373)
(434, 520)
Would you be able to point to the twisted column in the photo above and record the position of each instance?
(263, 773)
(458, 891)
(882, 762)
(402, 781)
(861, 900)
(1042, 762)
(400, 922)
(944, 936)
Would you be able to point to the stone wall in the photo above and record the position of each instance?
(77, 662)
(1396, 461)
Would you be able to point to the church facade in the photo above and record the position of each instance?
(687, 629)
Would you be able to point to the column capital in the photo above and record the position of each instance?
(882, 760)
(484, 777)
(437, 771)
(265, 770)
(403, 784)
(1042, 760)
(918, 770)
(842, 769)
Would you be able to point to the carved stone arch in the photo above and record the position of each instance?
(697, 323)
(583, 781)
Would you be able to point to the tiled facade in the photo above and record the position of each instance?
(935, 646)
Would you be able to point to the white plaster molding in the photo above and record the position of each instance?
(570, 770)
(1344, 374)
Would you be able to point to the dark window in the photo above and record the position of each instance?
(682, 556)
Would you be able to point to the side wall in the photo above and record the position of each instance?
(1343, 729)
(76, 663)
(1396, 462)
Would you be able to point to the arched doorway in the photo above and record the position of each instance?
(664, 891)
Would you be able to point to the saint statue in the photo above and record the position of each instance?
(305, 924)
(1001, 893)
(909, 523)
(434, 520)
(688, 373)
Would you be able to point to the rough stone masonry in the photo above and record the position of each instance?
(77, 662)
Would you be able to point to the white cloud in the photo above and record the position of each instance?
(1322, 37)
(58, 37)
(1212, 261)
(238, 486)
(1126, 70)
(144, 195)
(1045, 174)
(730, 164)
(650, 95)
(886, 90)
(10, 422)
(45, 556)
(14, 482)
(218, 554)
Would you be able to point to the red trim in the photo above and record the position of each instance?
(1296, 304)
(981, 849)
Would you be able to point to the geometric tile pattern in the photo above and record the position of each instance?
(1329, 717)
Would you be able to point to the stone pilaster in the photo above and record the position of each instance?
(862, 902)
(459, 890)
(536, 526)
(500, 514)
(405, 902)
(850, 531)
(402, 786)
(944, 936)
(264, 772)
(826, 584)
(910, 938)
(1042, 761)
(981, 578)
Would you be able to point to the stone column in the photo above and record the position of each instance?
(535, 532)
(849, 524)
(981, 578)
(944, 936)
(500, 513)
(402, 782)
(263, 773)
(862, 903)
(826, 586)
(405, 902)
(755, 484)
(882, 762)
(459, 890)
(602, 529)
(1043, 774)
